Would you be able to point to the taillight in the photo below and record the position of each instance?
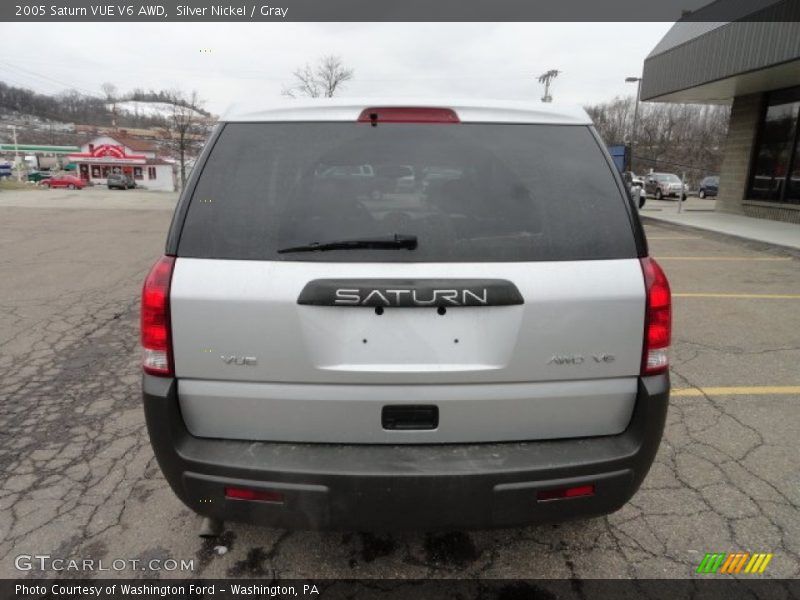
(156, 339)
(235, 493)
(657, 319)
(579, 491)
(408, 114)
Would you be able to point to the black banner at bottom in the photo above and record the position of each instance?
(706, 588)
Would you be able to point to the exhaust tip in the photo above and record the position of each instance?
(211, 528)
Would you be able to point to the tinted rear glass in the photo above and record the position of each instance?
(469, 192)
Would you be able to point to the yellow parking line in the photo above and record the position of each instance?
(741, 296)
(759, 390)
(760, 258)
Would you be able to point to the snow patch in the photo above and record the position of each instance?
(146, 109)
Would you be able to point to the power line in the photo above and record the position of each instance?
(675, 164)
(51, 80)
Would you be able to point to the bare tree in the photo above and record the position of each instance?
(186, 127)
(613, 119)
(110, 90)
(320, 81)
(669, 137)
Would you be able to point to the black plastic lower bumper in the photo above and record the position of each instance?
(423, 487)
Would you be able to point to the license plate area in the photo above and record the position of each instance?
(410, 340)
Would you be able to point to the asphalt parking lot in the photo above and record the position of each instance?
(78, 478)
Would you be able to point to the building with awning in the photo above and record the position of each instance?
(120, 154)
(751, 62)
(38, 156)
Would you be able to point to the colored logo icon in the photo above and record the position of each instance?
(737, 562)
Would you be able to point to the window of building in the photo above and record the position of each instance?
(137, 173)
(151, 172)
(96, 173)
(106, 171)
(775, 175)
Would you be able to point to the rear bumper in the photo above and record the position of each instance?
(422, 487)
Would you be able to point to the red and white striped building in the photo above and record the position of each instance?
(118, 153)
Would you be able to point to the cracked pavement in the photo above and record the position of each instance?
(79, 479)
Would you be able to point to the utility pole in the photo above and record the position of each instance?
(17, 164)
(546, 78)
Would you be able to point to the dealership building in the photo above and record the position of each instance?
(752, 62)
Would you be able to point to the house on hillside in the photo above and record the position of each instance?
(116, 152)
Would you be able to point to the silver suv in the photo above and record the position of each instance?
(665, 185)
(484, 348)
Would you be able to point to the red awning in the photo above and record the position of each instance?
(107, 154)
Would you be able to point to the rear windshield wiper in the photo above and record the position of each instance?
(391, 242)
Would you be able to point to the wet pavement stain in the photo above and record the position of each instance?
(374, 546)
(451, 549)
(206, 553)
(252, 565)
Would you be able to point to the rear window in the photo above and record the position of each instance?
(468, 192)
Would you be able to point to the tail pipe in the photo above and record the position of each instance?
(211, 528)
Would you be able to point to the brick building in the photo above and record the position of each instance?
(752, 62)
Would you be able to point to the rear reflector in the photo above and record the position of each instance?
(155, 319)
(657, 319)
(564, 493)
(408, 114)
(234, 493)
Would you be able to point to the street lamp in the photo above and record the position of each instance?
(637, 80)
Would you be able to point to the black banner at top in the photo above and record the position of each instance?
(398, 10)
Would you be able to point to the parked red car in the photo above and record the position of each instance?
(65, 181)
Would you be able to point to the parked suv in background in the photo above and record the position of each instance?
(664, 185)
(485, 350)
(709, 186)
(635, 186)
(633, 179)
(120, 181)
